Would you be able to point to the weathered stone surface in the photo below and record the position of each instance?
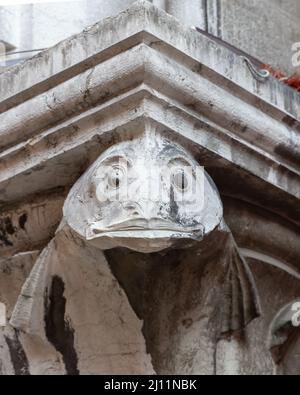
(13, 273)
(30, 225)
(153, 212)
(106, 84)
(75, 316)
(186, 310)
(44, 25)
(265, 29)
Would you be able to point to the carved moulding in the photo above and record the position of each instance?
(284, 330)
(150, 196)
(52, 120)
(57, 121)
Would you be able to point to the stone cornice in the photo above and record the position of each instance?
(143, 67)
(116, 34)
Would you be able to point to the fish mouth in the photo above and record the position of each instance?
(145, 225)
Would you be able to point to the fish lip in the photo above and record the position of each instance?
(148, 230)
(145, 225)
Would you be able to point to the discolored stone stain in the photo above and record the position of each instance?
(169, 149)
(9, 226)
(187, 323)
(286, 152)
(6, 229)
(173, 205)
(22, 221)
(58, 331)
(290, 121)
(4, 239)
(17, 355)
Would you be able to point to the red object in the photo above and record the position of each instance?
(293, 81)
(279, 75)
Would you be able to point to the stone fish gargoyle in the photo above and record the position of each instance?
(148, 196)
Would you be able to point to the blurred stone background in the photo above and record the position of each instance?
(265, 29)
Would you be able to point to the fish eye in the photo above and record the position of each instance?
(116, 176)
(180, 179)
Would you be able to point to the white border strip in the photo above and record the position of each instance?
(28, 2)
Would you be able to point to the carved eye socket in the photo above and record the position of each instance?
(116, 176)
(180, 179)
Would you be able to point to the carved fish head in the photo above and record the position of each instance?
(147, 195)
